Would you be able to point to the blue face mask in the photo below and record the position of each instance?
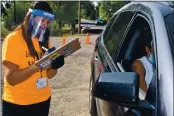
(152, 59)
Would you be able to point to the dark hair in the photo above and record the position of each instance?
(42, 5)
(47, 35)
(27, 35)
(147, 38)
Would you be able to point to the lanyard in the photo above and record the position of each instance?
(37, 56)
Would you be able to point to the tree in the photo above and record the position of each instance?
(108, 8)
(97, 9)
(4, 6)
(20, 14)
(88, 10)
(65, 12)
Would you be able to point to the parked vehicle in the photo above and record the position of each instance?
(101, 21)
(114, 87)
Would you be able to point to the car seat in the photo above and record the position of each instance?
(134, 51)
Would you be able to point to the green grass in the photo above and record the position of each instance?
(66, 31)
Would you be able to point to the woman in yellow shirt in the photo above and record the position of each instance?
(26, 88)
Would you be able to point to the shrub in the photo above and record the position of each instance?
(4, 31)
(55, 30)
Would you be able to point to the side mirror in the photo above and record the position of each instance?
(118, 87)
(121, 88)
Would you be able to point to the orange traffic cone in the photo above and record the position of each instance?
(63, 40)
(87, 41)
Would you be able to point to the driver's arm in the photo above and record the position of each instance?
(139, 68)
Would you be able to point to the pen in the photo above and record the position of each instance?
(44, 48)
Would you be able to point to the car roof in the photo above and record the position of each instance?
(165, 8)
(149, 7)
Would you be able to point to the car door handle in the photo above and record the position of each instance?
(96, 57)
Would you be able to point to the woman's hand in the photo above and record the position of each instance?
(14, 75)
(51, 73)
(58, 62)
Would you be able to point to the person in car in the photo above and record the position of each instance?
(144, 66)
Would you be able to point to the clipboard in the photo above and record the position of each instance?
(65, 50)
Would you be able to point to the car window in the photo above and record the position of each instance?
(133, 45)
(108, 26)
(169, 20)
(116, 32)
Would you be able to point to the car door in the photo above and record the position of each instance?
(107, 51)
(165, 50)
(129, 52)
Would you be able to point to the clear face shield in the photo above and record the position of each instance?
(39, 23)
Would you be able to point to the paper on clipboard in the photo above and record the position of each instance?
(65, 50)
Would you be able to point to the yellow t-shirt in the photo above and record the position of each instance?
(15, 50)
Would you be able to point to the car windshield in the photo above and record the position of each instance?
(169, 20)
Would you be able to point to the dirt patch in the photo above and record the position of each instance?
(70, 86)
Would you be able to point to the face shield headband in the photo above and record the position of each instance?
(39, 23)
